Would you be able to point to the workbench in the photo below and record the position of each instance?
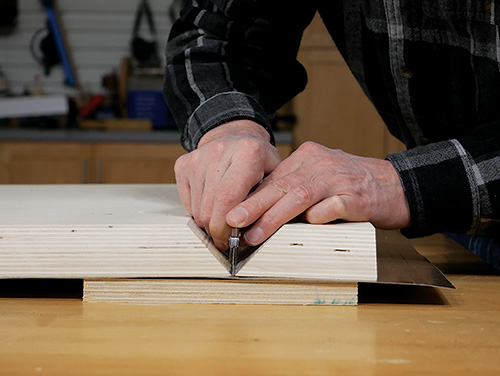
(396, 330)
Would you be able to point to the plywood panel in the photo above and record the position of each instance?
(133, 231)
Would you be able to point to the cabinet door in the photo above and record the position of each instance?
(136, 163)
(333, 110)
(44, 163)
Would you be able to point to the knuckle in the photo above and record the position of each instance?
(270, 221)
(309, 146)
(179, 164)
(203, 220)
(203, 216)
(218, 147)
(225, 196)
(302, 194)
(252, 144)
(336, 206)
(281, 185)
(253, 148)
(255, 205)
(338, 154)
(185, 162)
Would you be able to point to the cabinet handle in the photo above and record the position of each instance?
(85, 171)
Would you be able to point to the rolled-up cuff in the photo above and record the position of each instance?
(439, 190)
(220, 109)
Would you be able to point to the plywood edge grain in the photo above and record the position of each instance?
(220, 291)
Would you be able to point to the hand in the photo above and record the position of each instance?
(229, 161)
(323, 185)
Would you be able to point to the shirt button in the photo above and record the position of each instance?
(406, 73)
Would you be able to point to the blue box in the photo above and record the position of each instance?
(150, 104)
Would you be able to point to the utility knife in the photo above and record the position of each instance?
(235, 257)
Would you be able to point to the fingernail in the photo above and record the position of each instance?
(238, 216)
(254, 236)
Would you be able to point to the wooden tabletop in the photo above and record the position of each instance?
(394, 331)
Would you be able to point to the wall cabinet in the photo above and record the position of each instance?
(333, 110)
(34, 162)
(135, 163)
(75, 163)
(91, 162)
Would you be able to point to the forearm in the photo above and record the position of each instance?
(235, 63)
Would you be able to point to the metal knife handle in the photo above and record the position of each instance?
(234, 237)
(234, 245)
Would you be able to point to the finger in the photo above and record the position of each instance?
(183, 187)
(293, 203)
(205, 180)
(211, 186)
(184, 191)
(325, 211)
(337, 207)
(232, 190)
(277, 184)
(258, 203)
(190, 184)
(196, 190)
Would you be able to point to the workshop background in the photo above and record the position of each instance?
(99, 34)
(94, 112)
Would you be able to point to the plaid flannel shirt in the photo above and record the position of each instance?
(430, 67)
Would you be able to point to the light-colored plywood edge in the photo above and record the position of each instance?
(342, 251)
(173, 251)
(238, 291)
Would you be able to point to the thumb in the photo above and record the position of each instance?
(335, 207)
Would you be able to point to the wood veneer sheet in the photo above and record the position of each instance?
(140, 231)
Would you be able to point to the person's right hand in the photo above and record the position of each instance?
(229, 161)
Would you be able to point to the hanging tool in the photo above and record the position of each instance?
(145, 52)
(55, 25)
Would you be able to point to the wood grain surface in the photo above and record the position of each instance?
(395, 330)
(457, 332)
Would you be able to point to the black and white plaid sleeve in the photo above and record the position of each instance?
(229, 60)
(453, 185)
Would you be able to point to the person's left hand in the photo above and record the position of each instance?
(323, 185)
